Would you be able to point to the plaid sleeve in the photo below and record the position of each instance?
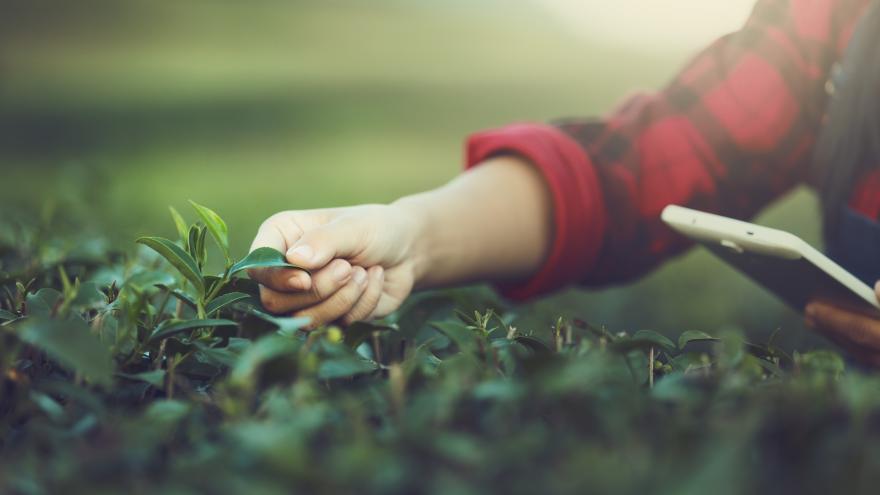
(731, 133)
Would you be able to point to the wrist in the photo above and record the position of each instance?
(416, 214)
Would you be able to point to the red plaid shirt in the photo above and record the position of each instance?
(731, 133)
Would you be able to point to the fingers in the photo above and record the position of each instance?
(282, 279)
(279, 232)
(369, 299)
(324, 283)
(337, 239)
(340, 303)
(845, 327)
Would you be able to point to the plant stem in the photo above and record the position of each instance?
(651, 368)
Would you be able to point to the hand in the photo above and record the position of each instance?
(855, 331)
(360, 259)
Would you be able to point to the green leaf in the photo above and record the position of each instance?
(148, 280)
(215, 225)
(694, 336)
(180, 259)
(179, 295)
(344, 367)
(264, 257)
(71, 344)
(221, 302)
(200, 251)
(222, 356)
(464, 337)
(42, 302)
(6, 315)
(180, 223)
(168, 329)
(166, 411)
(192, 240)
(89, 296)
(357, 333)
(155, 378)
(532, 344)
(260, 352)
(655, 338)
(643, 339)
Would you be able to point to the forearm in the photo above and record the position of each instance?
(493, 223)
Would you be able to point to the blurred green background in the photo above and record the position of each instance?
(114, 110)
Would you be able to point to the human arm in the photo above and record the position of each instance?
(730, 134)
(491, 223)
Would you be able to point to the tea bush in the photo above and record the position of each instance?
(145, 373)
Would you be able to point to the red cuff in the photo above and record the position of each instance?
(578, 208)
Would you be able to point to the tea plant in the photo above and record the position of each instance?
(145, 373)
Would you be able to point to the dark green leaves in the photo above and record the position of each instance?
(225, 300)
(155, 378)
(71, 344)
(263, 350)
(344, 367)
(167, 330)
(694, 336)
(6, 315)
(358, 333)
(287, 326)
(263, 257)
(180, 259)
(643, 339)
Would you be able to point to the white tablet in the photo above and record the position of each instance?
(777, 260)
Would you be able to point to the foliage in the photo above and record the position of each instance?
(143, 373)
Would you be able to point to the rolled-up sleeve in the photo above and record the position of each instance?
(732, 132)
(578, 211)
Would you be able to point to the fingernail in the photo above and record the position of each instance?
(877, 286)
(302, 253)
(377, 272)
(342, 271)
(360, 276)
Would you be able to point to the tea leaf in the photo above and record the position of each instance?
(464, 337)
(169, 329)
(694, 336)
(42, 302)
(200, 251)
(532, 344)
(357, 333)
(286, 326)
(89, 296)
(215, 225)
(155, 378)
(180, 224)
(180, 259)
(344, 367)
(264, 257)
(221, 302)
(179, 295)
(71, 344)
(643, 339)
(260, 352)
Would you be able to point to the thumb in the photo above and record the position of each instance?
(317, 247)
